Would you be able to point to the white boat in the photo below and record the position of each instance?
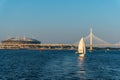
(81, 48)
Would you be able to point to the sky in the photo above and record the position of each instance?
(60, 21)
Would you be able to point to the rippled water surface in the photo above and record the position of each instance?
(58, 65)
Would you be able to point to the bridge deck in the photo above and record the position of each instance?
(37, 46)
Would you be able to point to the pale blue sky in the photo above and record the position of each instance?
(60, 21)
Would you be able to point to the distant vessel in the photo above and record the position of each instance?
(81, 48)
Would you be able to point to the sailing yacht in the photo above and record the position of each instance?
(81, 48)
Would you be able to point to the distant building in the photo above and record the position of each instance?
(32, 44)
(20, 41)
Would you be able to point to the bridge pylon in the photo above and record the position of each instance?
(91, 35)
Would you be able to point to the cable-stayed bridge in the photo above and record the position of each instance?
(92, 40)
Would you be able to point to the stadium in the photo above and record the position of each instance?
(20, 41)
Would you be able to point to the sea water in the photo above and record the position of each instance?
(59, 65)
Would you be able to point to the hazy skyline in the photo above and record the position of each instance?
(60, 21)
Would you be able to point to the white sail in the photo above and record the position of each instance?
(81, 47)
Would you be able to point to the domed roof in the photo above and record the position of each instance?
(21, 39)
